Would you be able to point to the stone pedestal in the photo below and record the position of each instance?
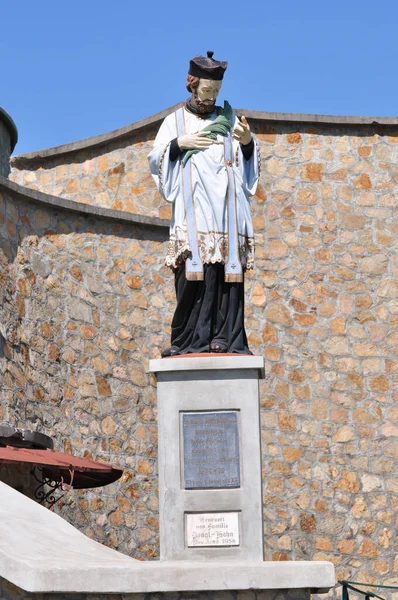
(209, 457)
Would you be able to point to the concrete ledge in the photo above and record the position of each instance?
(25, 193)
(95, 141)
(40, 552)
(170, 576)
(316, 119)
(207, 362)
(20, 160)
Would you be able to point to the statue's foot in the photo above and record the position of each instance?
(218, 348)
(172, 351)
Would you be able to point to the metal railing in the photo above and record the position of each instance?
(350, 585)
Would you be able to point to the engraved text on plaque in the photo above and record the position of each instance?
(211, 450)
(212, 529)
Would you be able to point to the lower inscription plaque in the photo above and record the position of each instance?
(211, 450)
(212, 529)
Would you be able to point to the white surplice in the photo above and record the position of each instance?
(209, 192)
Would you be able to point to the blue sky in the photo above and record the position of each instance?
(72, 69)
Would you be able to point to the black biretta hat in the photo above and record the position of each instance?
(206, 67)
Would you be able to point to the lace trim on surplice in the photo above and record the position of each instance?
(213, 248)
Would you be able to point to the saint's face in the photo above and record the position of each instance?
(207, 90)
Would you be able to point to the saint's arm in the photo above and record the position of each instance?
(248, 149)
(175, 150)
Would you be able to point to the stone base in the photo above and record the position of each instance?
(11, 592)
(40, 552)
(209, 455)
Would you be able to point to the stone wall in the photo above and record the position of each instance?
(86, 303)
(117, 178)
(322, 308)
(110, 171)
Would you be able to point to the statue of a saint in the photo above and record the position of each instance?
(205, 162)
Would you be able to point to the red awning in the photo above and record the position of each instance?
(78, 472)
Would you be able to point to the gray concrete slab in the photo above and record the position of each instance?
(208, 362)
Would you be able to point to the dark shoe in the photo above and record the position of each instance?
(172, 351)
(218, 348)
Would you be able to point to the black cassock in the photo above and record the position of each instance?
(209, 314)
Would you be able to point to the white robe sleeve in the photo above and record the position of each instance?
(250, 171)
(165, 172)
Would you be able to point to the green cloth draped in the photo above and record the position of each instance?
(221, 125)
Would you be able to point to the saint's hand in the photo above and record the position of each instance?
(194, 141)
(241, 132)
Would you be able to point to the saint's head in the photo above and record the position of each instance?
(204, 81)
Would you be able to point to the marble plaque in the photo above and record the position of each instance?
(211, 450)
(212, 529)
